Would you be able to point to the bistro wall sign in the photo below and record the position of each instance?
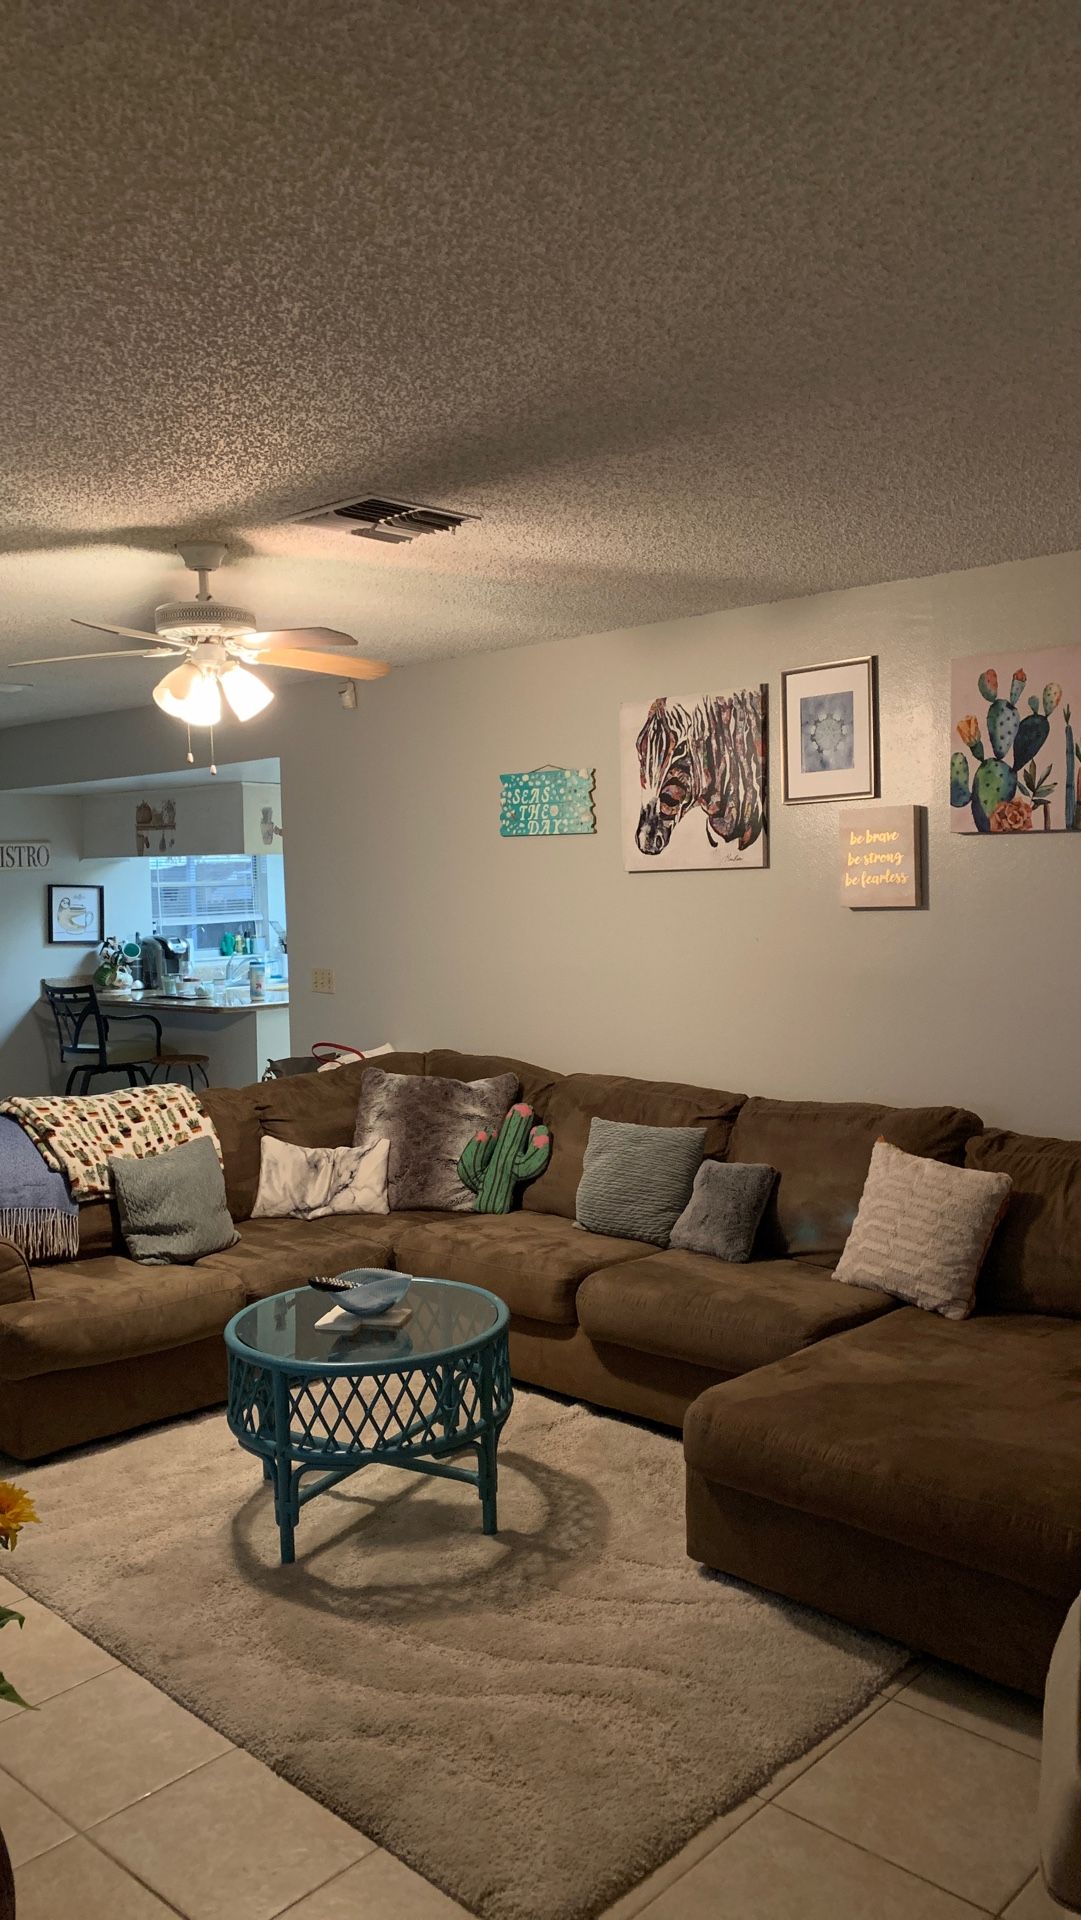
(24, 853)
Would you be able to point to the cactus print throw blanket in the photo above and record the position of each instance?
(77, 1135)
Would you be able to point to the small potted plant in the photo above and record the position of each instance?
(16, 1512)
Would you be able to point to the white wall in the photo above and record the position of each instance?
(221, 818)
(442, 934)
(27, 1038)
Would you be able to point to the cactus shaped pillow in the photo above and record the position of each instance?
(494, 1163)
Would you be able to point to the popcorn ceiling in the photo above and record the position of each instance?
(698, 305)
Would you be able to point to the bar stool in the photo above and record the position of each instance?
(85, 1037)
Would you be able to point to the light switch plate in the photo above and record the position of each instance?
(322, 980)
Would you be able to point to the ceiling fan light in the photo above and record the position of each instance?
(190, 694)
(245, 692)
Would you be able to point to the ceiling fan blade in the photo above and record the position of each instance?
(340, 665)
(301, 637)
(128, 633)
(113, 653)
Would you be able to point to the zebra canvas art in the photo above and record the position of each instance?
(694, 781)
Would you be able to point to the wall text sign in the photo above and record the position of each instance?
(880, 857)
(23, 854)
(547, 800)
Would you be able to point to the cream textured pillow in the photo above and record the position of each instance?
(307, 1183)
(922, 1230)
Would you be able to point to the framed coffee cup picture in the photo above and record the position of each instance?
(76, 916)
(829, 731)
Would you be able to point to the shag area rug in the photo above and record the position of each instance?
(532, 1721)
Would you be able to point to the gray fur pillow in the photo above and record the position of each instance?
(726, 1204)
(428, 1121)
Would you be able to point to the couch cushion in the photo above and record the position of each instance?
(320, 1109)
(726, 1315)
(1034, 1261)
(99, 1227)
(536, 1082)
(532, 1261)
(576, 1100)
(111, 1308)
(958, 1438)
(235, 1113)
(273, 1255)
(822, 1150)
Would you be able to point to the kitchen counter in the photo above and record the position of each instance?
(237, 1036)
(185, 1003)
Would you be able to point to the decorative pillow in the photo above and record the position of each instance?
(922, 1231)
(307, 1183)
(493, 1163)
(428, 1122)
(636, 1181)
(726, 1204)
(172, 1205)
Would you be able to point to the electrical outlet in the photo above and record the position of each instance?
(322, 979)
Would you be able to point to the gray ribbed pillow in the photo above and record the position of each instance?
(172, 1205)
(636, 1181)
(721, 1217)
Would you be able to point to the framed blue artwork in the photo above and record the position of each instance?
(829, 729)
(546, 800)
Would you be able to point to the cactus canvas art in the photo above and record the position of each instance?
(1015, 762)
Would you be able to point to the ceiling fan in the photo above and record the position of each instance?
(216, 645)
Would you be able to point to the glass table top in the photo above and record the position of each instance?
(445, 1318)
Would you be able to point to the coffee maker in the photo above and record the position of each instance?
(175, 954)
(151, 963)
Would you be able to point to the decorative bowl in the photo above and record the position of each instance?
(374, 1290)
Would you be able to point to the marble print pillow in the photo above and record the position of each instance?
(308, 1183)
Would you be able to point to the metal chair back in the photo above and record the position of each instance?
(80, 1023)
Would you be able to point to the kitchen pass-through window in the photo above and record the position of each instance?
(200, 897)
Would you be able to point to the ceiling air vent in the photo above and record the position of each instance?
(394, 521)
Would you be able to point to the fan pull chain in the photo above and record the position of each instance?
(191, 756)
(213, 768)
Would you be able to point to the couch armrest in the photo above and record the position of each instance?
(15, 1281)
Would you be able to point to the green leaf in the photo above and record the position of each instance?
(1030, 774)
(8, 1613)
(7, 1692)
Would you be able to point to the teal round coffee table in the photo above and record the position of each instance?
(308, 1401)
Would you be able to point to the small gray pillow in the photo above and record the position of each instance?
(428, 1121)
(636, 1181)
(722, 1215)
(172, 1205)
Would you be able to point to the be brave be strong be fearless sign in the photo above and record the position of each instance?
(880, 856)
(23, 854)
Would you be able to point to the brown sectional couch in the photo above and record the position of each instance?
(912, 1475)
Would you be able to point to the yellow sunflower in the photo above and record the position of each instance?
(16, 1511)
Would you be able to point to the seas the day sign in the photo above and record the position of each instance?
(547, 800)
(880, 856)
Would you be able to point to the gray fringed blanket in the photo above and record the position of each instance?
(36, 1210)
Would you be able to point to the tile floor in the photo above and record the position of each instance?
(119, 1805)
